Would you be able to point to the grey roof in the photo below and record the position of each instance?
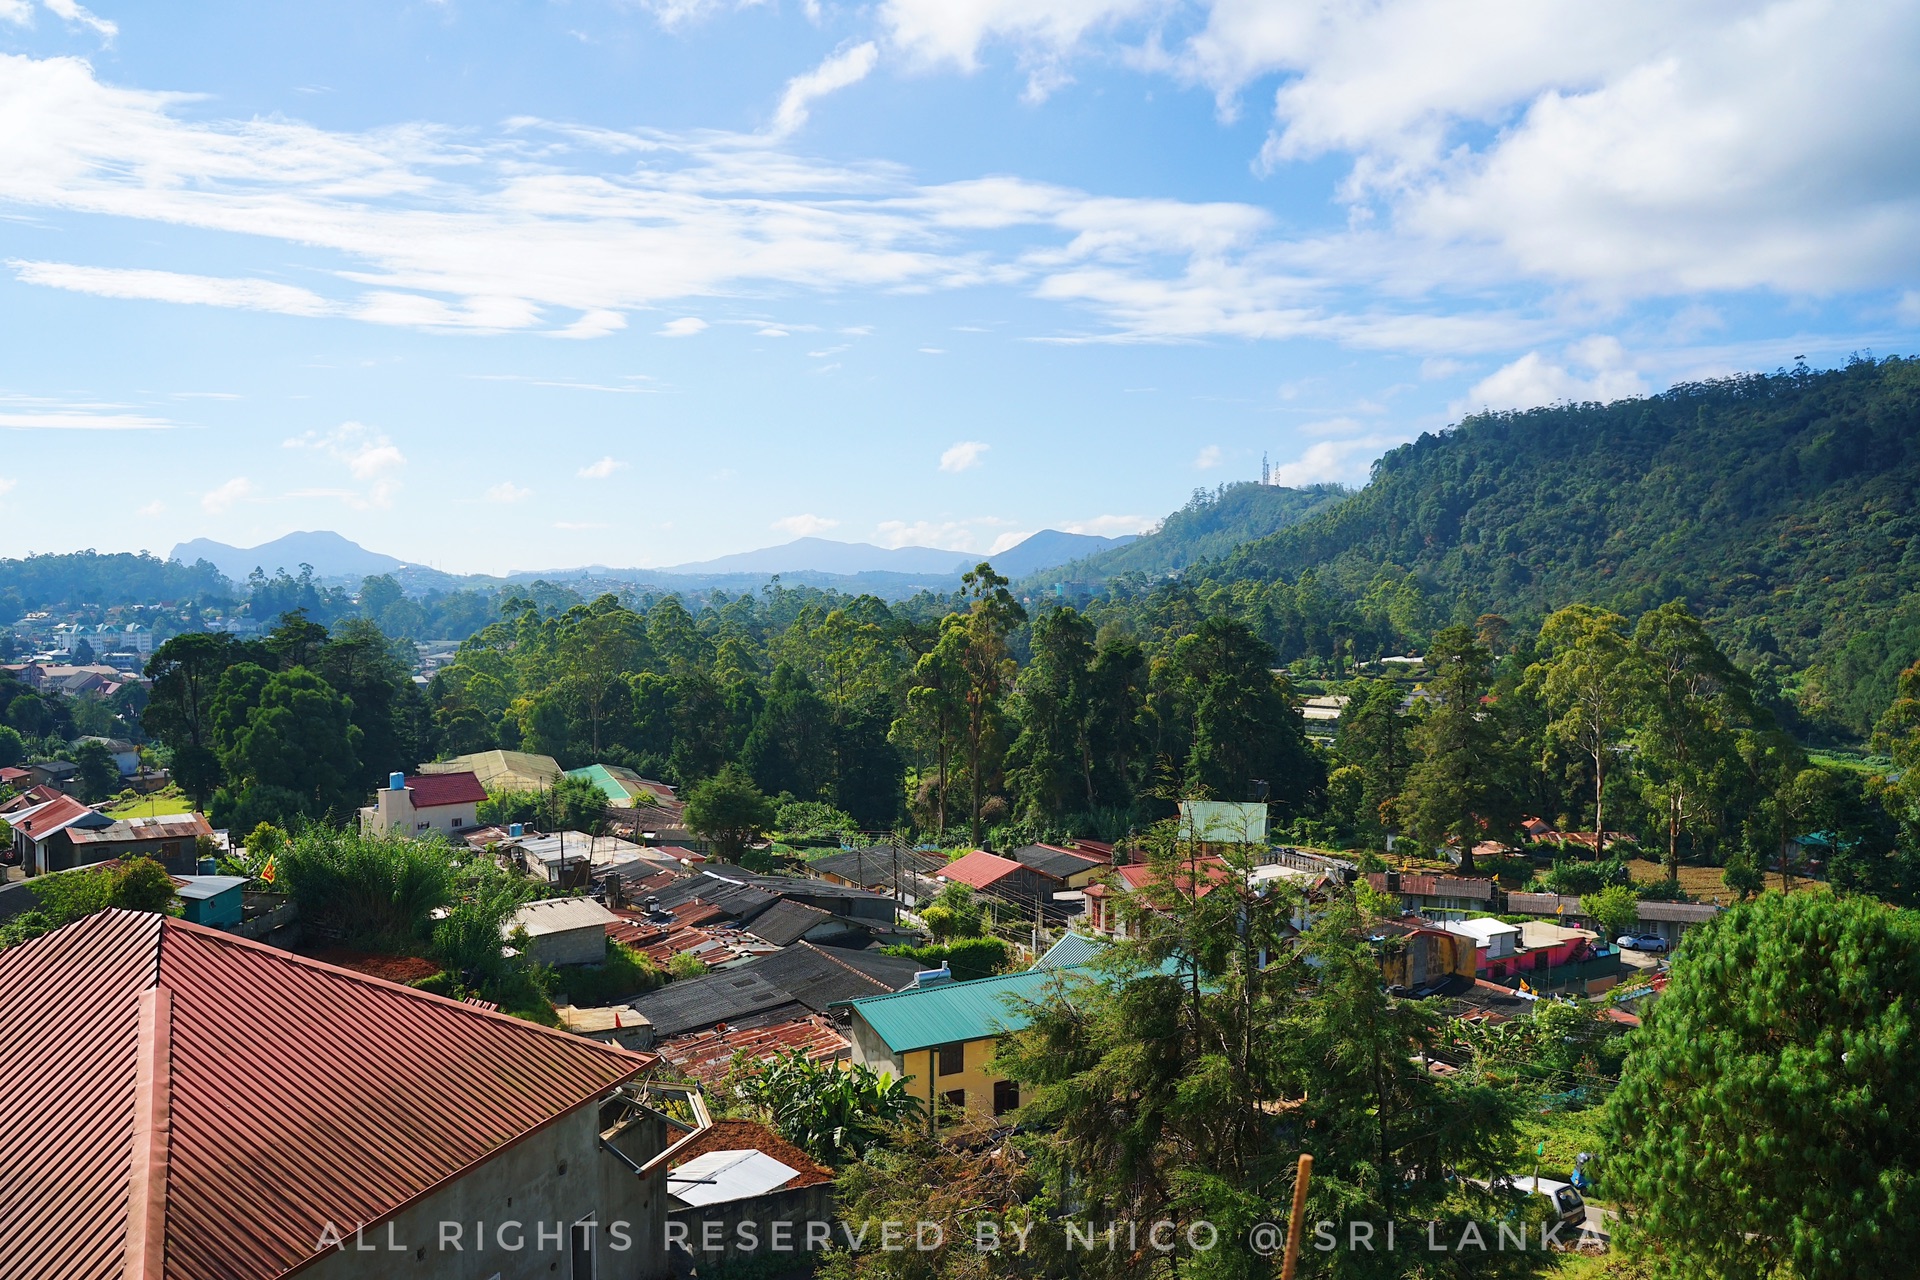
(736, 901)
(207, 886)
(1543, 904)
(800, 979)
(730, 995)
(875, 864)
(787, 922)
(1681, 912)
(17, 898)
(1058, 863)
(818, 976)
(561, 915)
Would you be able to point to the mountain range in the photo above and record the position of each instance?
(335, 558)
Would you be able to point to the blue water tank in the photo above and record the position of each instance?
(516, 830)
(396, 782)
(209, 866)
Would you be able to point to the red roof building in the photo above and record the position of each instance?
(445, 804)
(178, 1104)
(41, 834)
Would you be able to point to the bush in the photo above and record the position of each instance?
(684, 965)
(379, 892)
(141, 884)
(1570, 877)
(626, 974)
(966, 957)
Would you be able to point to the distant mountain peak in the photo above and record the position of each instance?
(331, 555)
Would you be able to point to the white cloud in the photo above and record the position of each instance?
(369, 456)
(963, 456)
(956, 535)
(154, 508)
(74, 15)
(685, 327)
(507, 491)
(576, 525)
(1208, 458)
(172, 286)
(81, 419)
(1011, 538)
(771, 332)
(222, 499)
(601, 470)
(1109, 526)
(845, 68)
(805, 526)
(1534, 380)
(18, 12)
(7, 484)
(1335, 461)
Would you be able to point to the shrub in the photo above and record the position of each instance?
(966, 957)
(141, 884)
(626, 974)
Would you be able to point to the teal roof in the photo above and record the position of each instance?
(921, 1017)
(620, 786)
(1073, 948)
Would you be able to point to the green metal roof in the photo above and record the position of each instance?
(922, 1017)
(609, 783)
(1072, 949)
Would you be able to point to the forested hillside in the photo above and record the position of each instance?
(1212, 524)
(1781, 508)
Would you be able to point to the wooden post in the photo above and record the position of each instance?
(1297, 1222)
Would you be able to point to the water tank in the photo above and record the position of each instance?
(396, 782)
(208, 867)
(515, 831)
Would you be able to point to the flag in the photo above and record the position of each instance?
(266, 872)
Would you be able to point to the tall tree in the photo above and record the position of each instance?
(1590, 680)
(1768, 1120)
(186, 673)
(300, 737)
(1692, 701)
(1457, 787)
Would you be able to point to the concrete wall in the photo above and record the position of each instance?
(721, 1223)
(558, 1177)
(574, 946)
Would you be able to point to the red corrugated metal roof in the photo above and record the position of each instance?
(210, 1102)
(432, 790)
(707, 1056)
(979, 869)
(43, 821)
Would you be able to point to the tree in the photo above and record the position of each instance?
(728, 810)
(1692, 700)
(186, 672)
(1373, 741)
(977, 643)
(1768, 1121)
(1615, 909)
(99, 773)
(300, 738)
(1590, 682)
(141, 884)
(935, 708)
(791, 745)
(13, 748)
(1456, 787)
(1227, 719)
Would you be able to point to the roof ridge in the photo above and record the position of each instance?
(974, 982)
(151, 1163)
(833, 959)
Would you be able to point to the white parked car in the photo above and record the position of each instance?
(1640, 942)
(1564, 1201)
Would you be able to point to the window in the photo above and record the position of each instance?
(952, 1059)
(1006, 1097)
(581, 1246)
(458, 823)
(955, 1098)
(421, 826)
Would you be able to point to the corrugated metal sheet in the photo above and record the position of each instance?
(955, 1011)
(719, 1177)
(707, 1056)
(296, 1094)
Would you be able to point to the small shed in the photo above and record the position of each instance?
(214, 901)
(565, 930)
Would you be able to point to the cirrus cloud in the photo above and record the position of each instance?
(964, 456)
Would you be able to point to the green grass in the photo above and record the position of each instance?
(1851, 760)
(161, 803)
(1565, 1133)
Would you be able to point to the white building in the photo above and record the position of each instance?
(446, 804)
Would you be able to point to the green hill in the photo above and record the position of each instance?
(1781, 507)
(1212, 524)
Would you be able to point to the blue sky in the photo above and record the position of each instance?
(517, 286)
